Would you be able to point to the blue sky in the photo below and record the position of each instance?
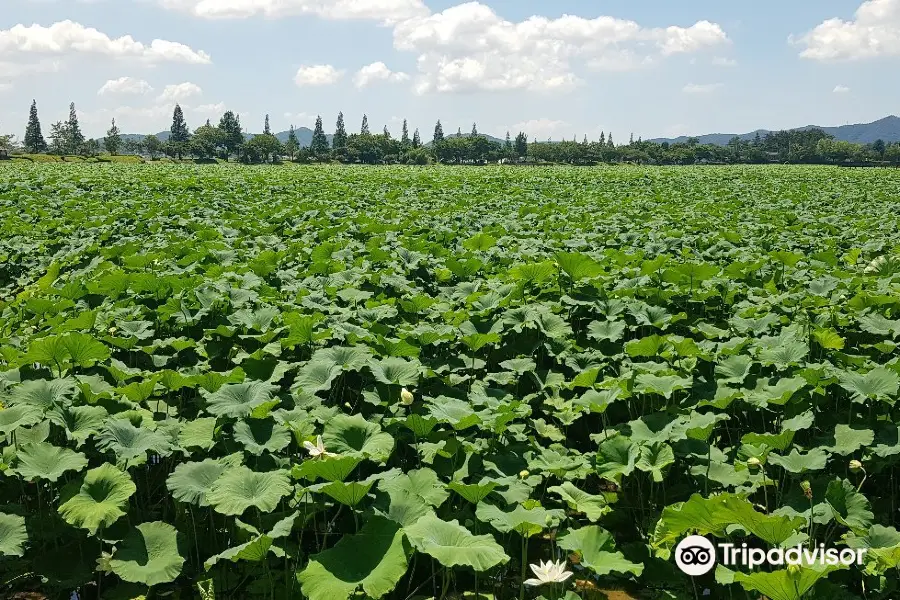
(554, 69)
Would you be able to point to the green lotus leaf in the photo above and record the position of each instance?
(237, 400)
(329, 468)
(192, 482)
(784, 584)
(453, 545)
(13, 535)
(608, 330)
(84, 350)
(47, 462)
(79, 422)
(255, 550)
(654, 458)
(850, 508)
(396, 371)
(316, 376)
(44, 394)
(21, 415)
(880, 383)
(596, 547)
(592, 506)
(354, 435)
(131, 444)
(349, 494)
(423, 483)
(198, 433)
(101, 499)
(261, 435)
(617, 458)
(473, 493)
(796, 462)
(734, 369)
(848, 440)
(373, 560)
(149, 554)
(578, 266)
(524, 521)
(239, 488)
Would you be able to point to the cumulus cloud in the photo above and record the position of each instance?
(841, 89)
(470, 47)
(69, 37)
(179, 91)
(125, 85)
(377, 71)
(701, 88)
(386, 11)
(874, 31)
(316, 75)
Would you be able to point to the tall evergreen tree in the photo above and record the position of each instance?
(179, 134)
(59, 138)
(474, 130)
(292, 144)
(74, 137)
(508, 144)
(113, 139)
(34, 139)
(232, 136)
(631, 140)
(364, 129)
(459, 132)
(386, 133)
(609, 141)
(319, 145)
(438, 133)
(416, 140)
(266, 129)
(602, 138)
(522, 144)
(404, 135)
(584, 142)
(339, 142)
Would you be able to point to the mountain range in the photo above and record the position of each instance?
(886, 129)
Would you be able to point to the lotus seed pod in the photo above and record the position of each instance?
(753, 463)
(523, 474)
(855, 466)
(805, 486)
(406, 397)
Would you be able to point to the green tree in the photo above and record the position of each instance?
(339, 141)
(34, 139)
(292, 144)
(74, 137)
(232, 135)
(416, 140)
(521, 145)
(474, 130)
(90, 148)
(153, 145)
(364, 129)
(180, 135)
(438, 133)
(266, 129)
(507, 145)
(319, 145)
(59, 138)
(113, 140)
(879, 148)
(602, 138)
(206, 141)
(404, 136)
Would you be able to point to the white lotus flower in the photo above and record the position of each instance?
(406, 397)
(317, 450)
(548, 572)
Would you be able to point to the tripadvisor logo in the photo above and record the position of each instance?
(696, 556)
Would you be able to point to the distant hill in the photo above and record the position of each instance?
(887, 129)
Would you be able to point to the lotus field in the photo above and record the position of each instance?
(497, 383)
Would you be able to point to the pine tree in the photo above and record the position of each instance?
(459, 132)
(59, 138)
(34, 139)
(602, 139)
(232, 136)
(386, 133)
(364, 129)
(74, 137)
(416, 141)
(584, 142)
(340, 134)
(113, 139)
(609, 141)
(292, 144)
(319, 145)
(631, 140)
(180, 135)
(438, 133)
(404, 135)
(474, 130)
(508, 144)
(266, 129)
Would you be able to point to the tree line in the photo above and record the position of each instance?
(227, 141)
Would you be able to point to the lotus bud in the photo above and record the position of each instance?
(406, 397)
(807, 489)
(112, 330)
(793, 569)
(523, 474)
(855, 466)
(753, 463)
(347, 405)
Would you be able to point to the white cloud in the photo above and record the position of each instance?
(13, 70)
(386, 11)
(874, 31)
(68, 37)
(841, 89)
(701, 88)
(542, 129)
(722, 61)
(179, 91)
(125, 85)
(470, 47)
(377, 71)
(317, 75)
(300, 119)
